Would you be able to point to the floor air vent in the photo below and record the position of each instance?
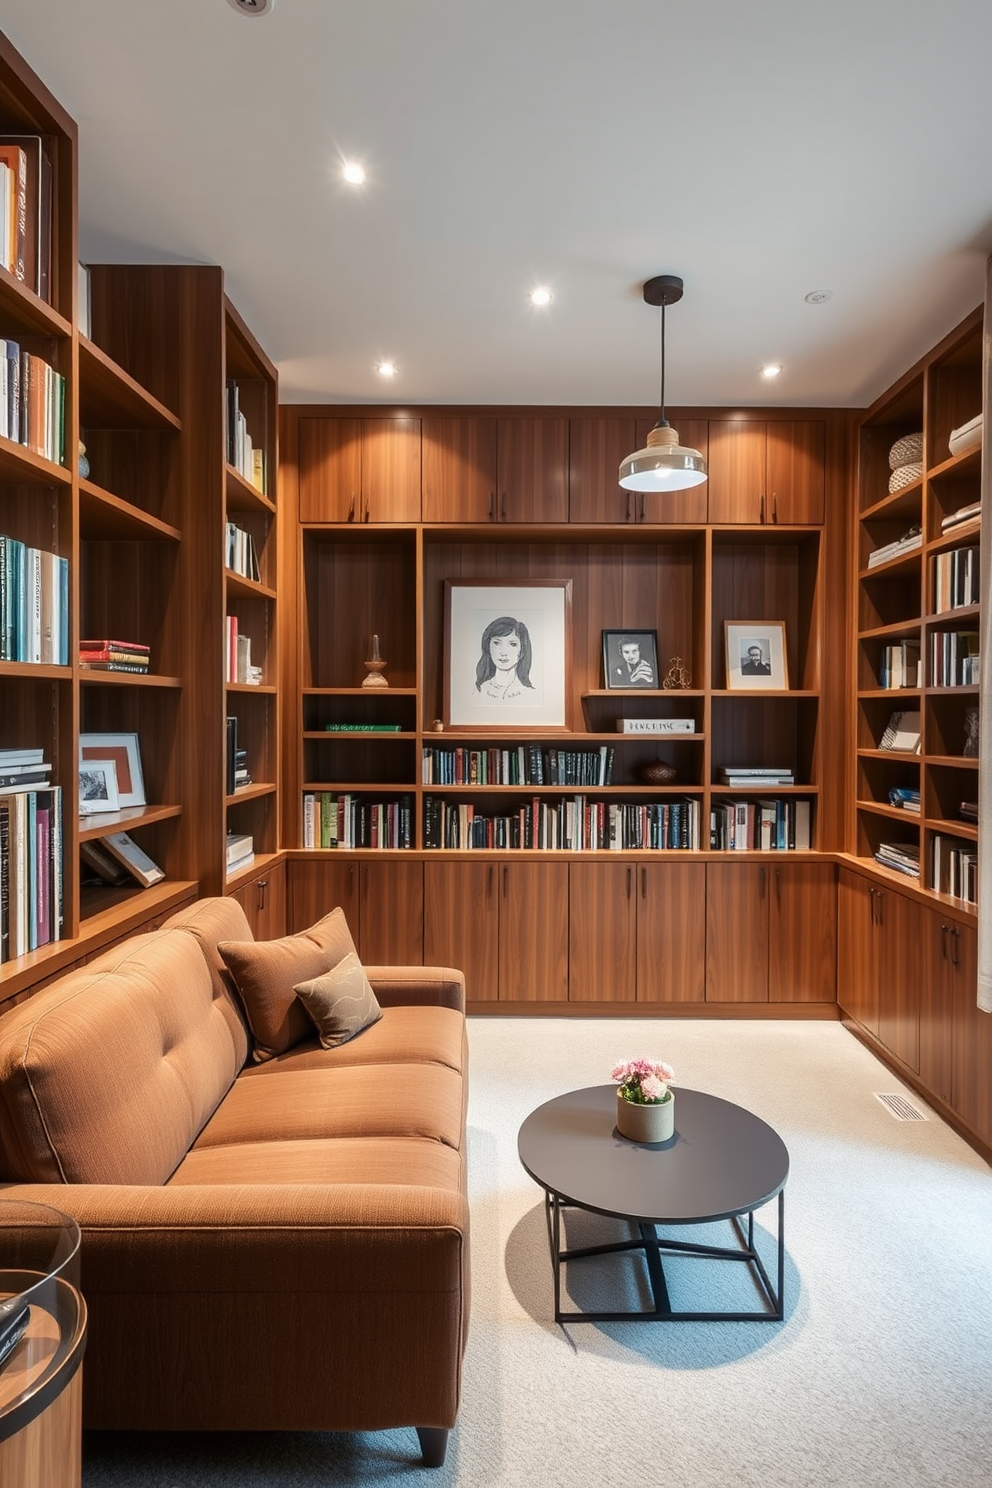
(899, 1107)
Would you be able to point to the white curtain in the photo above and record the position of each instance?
(985, 698)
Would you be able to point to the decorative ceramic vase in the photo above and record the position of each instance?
(375, 664)
(652, 1123)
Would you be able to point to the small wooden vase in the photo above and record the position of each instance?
(375, 665)
(653, 1123)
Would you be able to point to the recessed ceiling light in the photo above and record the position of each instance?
(819, 296)
(353, 173)
(252, 7)
(386, 369)
(540, 296)
(772, 369)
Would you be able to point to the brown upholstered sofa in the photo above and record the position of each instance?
(280, 1246)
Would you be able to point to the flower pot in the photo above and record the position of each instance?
(652, 1123)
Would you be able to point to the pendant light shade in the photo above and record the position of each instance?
(664, 464)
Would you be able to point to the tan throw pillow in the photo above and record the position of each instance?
(340, 1002)
(267, 971)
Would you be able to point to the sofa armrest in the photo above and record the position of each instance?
(433, 986)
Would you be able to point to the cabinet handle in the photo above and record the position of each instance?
(506, 880)
(489, 883)
(644, 883)
(943, 943)
(367, 510)
(881, 907)
(351, 509)
(778, 887)
(629, 871)
(761, 514)
(764, 878)
(956, 943)
(263, 884)
(492, 506)
(641, 517)
(502, 507)
(774, 507)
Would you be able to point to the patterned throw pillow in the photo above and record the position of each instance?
(341, 1002)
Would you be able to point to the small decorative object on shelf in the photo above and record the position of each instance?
(645, 1103)
(677, 676)
(630, 658)
(438, 726)
(656, 772)
(84, 464)
(375, 666)
(970, 750)
(756, 654)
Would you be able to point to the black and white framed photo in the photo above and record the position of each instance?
(756, 655)
(630, 658)
(98, 786)
(506, 654)
(123, 750)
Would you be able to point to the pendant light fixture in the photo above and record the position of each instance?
(664, 464)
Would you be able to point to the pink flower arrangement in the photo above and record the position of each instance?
(643, 1082)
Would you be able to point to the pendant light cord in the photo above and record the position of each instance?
(663, 421)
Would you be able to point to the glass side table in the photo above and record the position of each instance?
(40, 1377)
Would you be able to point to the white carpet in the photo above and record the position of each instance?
(880, 1376)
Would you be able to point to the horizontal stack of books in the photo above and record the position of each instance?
(525, 764)
(969, 513)
(906, 798)
(238, 773)
(656, 726)
(905, 544)
(779, 825)
(345, 820)
(31, 908)
(903, 857)
(34, 604)
(744, 777)
(114, 656)
(240, 851)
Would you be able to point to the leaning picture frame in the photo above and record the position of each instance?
(124, 751)
(630, 659)
(98, 786)
(756, 656)
(507, 654)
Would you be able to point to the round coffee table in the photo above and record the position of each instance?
(723, 1163)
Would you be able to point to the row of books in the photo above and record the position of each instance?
(954, 869)
(26, 210)
(32, 402)
(779, 825)
(237, 774)
(34, 604)
(743, 777)
(955, 579)
(240, 555)
(105, 655)
(899, 665)
(31, 903)
(953, 658)
(345, 820)
(526, 764)
(901, 857)
(237, 655)
(569, 825)
(247, 461)
(905, 544)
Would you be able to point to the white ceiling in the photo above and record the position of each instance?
(761, 150)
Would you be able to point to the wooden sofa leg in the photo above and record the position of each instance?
(433, 1444)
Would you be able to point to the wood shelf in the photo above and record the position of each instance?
(35, 671)
(21, 466)
(239, 586)
(242, 496)
(103, 823)
(953, 828)
(250, 792)
(104, 515)
(251, 689)
(25, 311)
(109, 398)
(89, 678)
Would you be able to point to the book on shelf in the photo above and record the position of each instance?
(34, 604)
(237, 653)
(906, 544)
(84, 302)
(903, 857)
(114, 656)
(31, 882)
(130, 856)
(31, 197)
(954, 658)
(968, 811)
(967, 436)
(521, 764)
(778, 824)
(754, 778)
(14, 166)
(969, 513)
(240, 850)
(102, 864)
(248, 461)
(954, 868)
(955, 579)
(574, 824)
(899, 665)
(363, 728)
(241, 557)
(345, 820)
(906, 798)
(902, 733)
(656, 725)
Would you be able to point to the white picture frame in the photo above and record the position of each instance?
(98, 787)
(124, 751)
(506, 654)
(756, 659)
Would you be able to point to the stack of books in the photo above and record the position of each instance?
(237, 656)
(114, 656)
(906, 798)
(656, 725)
(954, 869)
(23, 769)
(34, 604)
(779, 825)
(905, 544)
(903, 857)
(525, 764)
(969, 513)
(31, 907)
(240, 851)
(238, 773)
(344, 820)
(744, 777)
(954, 658)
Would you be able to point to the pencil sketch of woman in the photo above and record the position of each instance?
(503, 670)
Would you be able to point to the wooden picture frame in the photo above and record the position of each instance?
(507, 654)
(756, 656)
(123, 749)
(98, 787)
(630, 660)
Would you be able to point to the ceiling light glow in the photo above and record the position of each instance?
(353, 173)
(540, 296)
(771, 370)
(386, 369)
(819, 296)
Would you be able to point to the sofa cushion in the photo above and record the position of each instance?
(266, 972)
(341, 1002)
(403, 1035)
(108, 1075)
(410, 1100)
(209, 921)
(362, 1160)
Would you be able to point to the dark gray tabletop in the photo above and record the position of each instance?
(722, 1161)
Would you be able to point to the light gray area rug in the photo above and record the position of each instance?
(880, 1376)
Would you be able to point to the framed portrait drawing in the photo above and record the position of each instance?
(630, 658)
(506, 654)
(98, 786)
(756, 655)
(123, 750)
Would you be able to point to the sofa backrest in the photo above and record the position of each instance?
(108, 1075)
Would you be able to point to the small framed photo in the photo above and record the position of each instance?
(756, 655)
(630, 658)
(506, 654)
(123, 750)
(98, 787)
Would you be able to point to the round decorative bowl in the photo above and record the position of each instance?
(657, 773)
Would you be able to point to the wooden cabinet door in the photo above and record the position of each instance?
(392, 915)
(533, 932)
(671, 932)
(270, 892)
(737, 932)
(596, 447)
(971, 1049)
(461, 923)
(330, 470)
(802, 933)
(938, 1004)
(391, 470)
(315, 886)
(736, 471)
(857, 950)
(794, 472)
(899, 971)
(532, 466)
(691, 503)
(602, 947)
(459, 469)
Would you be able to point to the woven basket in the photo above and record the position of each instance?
(906, 451)
(905, 475)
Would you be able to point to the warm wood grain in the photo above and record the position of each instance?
(532, 470)
(596, 448)
(857, 949)
(736, 486)
(802, 938)
(392, 913)
(330, 469)
(737, 932)
(671, 932)
(460, 475)
(602, 946)
(534, 932)
(391, 470)
(794, 472)
(462, 923)
(316, 885)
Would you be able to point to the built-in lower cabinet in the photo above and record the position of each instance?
(383, 903)
(771, 932)
(879, 963)
(636, 932)
(263, 899)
